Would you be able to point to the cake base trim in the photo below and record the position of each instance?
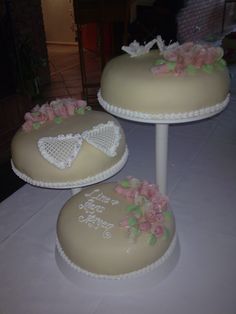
(125, 276)
(79, 183)
(163, 117)
(145, 278)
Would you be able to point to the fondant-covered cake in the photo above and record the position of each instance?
(116, 230)
(175, 83)
(66, 144)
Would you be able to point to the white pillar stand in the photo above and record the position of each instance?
(161, 156)
(75, 190)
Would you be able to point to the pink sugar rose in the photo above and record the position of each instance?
(50, 113)
(36, 108)
(159, 230)
(160, 69)
(159, 217)
(43, 108)
(27, 126)
(129, 194)
(171, 55)
(186, 46)
(151, 215)
(47, 111)
(60, 110)
(179, 69)
(145, 226)
(70, 107)
(32, 116)
(43, 118)
(81, 103)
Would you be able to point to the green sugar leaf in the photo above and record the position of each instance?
(167, 215)
(221, 63)
(80, 110)
(134, 208)
(125, 184)
(135, 231)
(58, 120)
(208, 68)
(171, 65)
(36, 125)
(152, 239)
(166, 233)
(138, 211)
(191, 69)
(132, 221)
(35, 113)
(160, 62)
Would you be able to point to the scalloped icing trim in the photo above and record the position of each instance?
(163, 117)
(74, 184)
(132, 274)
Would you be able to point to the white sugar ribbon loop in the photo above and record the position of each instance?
(62, 150)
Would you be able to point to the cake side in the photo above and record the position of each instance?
(144, 84)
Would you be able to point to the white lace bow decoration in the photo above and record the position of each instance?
(62, 150)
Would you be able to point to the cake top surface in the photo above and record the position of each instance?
(127, 225)
(180, 59)
(171, 84)
(59, 142)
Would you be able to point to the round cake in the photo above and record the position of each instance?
(174, 84)
(65, 144)
(116, 230)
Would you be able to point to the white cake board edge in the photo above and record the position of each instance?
(141, 281)
(75, 184)
(168, 118)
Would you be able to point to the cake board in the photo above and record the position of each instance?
(146, 278)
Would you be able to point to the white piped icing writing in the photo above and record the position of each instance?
(93, 207)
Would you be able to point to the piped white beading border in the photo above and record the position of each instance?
(131, 275)
(163, 117)
(80, 183)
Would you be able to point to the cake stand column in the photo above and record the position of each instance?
(161, 156)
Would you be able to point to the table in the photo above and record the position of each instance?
(201, 188)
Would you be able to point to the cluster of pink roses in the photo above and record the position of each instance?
(176, 60)
(53, 111)
(147, 210)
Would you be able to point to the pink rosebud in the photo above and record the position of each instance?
(124, 223)
(158, 230)
(119, 189)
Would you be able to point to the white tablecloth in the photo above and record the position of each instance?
(202, 192)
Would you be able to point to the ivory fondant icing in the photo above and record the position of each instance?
(82, 148)
(130, 84)
(102, 231)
